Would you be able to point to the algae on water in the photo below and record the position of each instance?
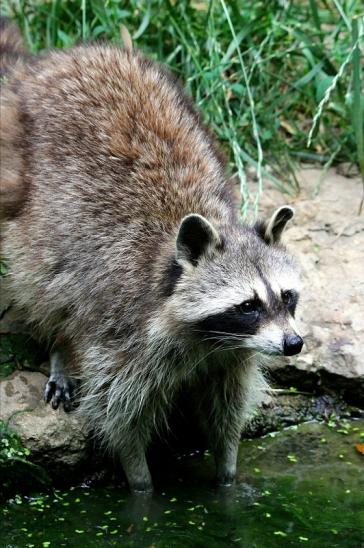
(302, 486)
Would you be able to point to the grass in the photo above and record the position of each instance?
(261, 71)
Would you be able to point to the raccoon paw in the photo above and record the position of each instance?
(60, 388)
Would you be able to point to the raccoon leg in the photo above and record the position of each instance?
(60, 387)
(225, 458)
(135, 464)
(224, 409)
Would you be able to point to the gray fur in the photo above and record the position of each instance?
(114, 158)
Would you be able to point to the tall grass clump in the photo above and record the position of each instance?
(264, 73)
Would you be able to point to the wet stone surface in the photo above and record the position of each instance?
(302, 486)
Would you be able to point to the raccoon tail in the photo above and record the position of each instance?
(12, 188)
(12, 49)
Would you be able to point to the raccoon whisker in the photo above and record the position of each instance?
(221, 339)
(269, 346)
(194, 366)
(230, 343)
(225, 340)
(228, 337)
(240, 336)
(236, 335)
(230, 348)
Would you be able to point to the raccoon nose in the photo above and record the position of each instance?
(292, 345)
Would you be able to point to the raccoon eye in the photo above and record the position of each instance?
(248, 307)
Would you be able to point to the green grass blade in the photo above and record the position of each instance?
(357, 98)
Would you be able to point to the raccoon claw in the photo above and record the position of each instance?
(60, 389)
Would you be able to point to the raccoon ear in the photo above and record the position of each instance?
(195, 235)
(272, 230)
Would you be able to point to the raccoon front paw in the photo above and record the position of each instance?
(61, 389)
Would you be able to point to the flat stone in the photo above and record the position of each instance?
(55, 438)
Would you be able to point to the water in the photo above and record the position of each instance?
(304, 486)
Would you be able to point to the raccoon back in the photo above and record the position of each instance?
(114, 155)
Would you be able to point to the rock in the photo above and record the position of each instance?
(327, 235)
(57, 440)
(287, 409)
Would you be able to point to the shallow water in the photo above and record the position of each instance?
(303, 486)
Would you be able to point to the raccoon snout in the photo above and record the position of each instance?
(292, 344)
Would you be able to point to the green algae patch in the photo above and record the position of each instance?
(314, 499)
(17, 472)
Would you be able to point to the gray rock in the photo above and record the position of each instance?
(287, 409)
(327, 235)
(56, 439)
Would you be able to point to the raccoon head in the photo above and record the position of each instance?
(235, 285)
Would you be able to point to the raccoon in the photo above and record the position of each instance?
(127, 255)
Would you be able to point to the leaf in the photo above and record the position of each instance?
(288, 127)
(360, 448)
(64, 38)
(280, 534)
(234, 44)
(144, 24)
(308, 77)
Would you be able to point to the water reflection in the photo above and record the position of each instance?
(304, 486)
